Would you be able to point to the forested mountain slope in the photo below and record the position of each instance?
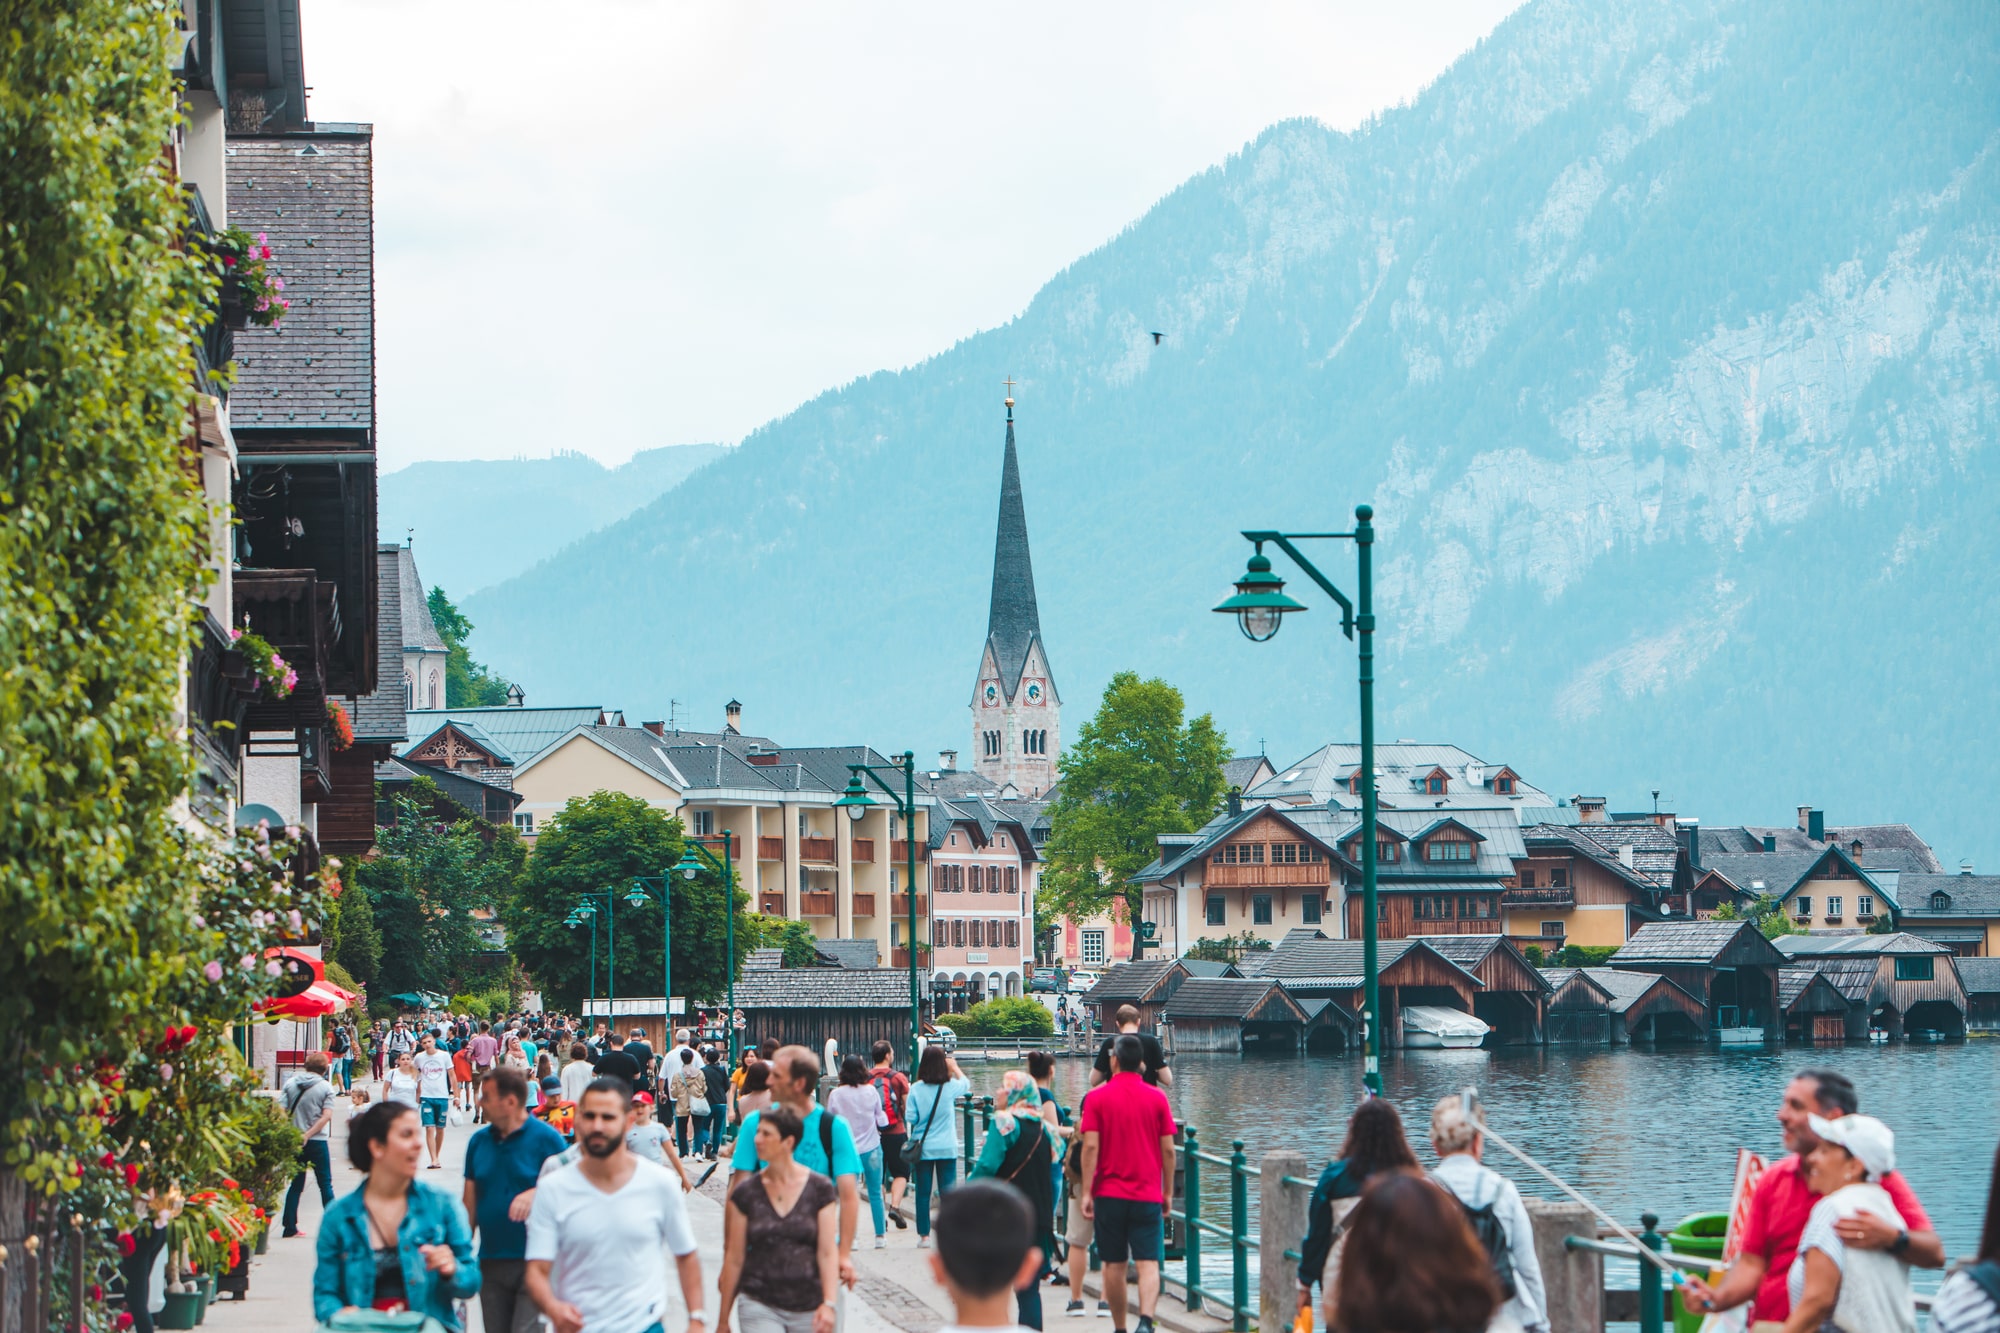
(1662, 337)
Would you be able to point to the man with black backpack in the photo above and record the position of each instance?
(894, 1086)
(1494, 1209)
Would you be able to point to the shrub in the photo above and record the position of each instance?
(1533, 953)
(962, 1024)
(1587, 955)
(1012, 1016)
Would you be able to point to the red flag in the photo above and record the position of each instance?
(1749, 1170)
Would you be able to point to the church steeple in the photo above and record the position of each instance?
(1013, 622)
(1016, 713)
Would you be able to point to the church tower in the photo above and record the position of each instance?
(1016, 712)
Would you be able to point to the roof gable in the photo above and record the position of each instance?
(1698, 944)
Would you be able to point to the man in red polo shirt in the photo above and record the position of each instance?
(1128, 1165)
(1781, 1203)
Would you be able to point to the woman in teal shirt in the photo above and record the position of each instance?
(1020, 1149)
(940, 1083)
(395, 1243)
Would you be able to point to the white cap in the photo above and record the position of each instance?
(1872, 1143)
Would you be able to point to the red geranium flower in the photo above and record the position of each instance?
(124, 1319)
(126, 1245)
(132, 1175)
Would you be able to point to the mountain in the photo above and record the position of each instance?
(1663, 337)
(457, 509)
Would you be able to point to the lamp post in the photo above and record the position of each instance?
(586, 910)
(693, 853)
(856, 802)
(638, 897)
(1260, 606)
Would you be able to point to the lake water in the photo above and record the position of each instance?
(1635, 1129)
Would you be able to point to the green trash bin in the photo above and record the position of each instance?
(1701, 1235)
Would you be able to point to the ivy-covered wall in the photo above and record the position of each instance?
(100, 559)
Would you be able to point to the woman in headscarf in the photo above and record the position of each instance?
(1020, 1151)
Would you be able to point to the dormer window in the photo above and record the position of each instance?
(1435, 783)
(1940, 902)
(1503, 782)
(1443, 848)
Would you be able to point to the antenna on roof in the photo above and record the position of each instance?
(409, 537)
(1656, 800)
(673, 711)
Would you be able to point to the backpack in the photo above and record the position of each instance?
(1486, 1225)
(1986, 1276)
(892, 1099)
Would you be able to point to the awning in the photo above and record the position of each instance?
(316, 1001)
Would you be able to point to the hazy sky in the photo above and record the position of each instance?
(605, 226)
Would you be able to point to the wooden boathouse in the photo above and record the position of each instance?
(1146, 986)
(1899, 984)
(810, 1006)
(1409, 972)
(1814, 1008)
(1579, 1008)
(1981, 978)
(1233, 1014)
(1650, 1007)
(1727, 966)
(1514, 994)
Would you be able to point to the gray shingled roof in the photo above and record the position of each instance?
(1322, 776)
(1655, 851)
(1853, 977)
(1894, 845)
(1781, 871)
(851, 953)
(1219, 997)
(1980, 975)
(1130, 982)
(522, 732)
(762, 960)
(1792, 983)
(1971, 895)
(379, 716)
(313, 196)
(1628, 988)
(1200, 968)
(1240, 771)
(1308, 964)
(419, 630)
(1469, 951)
(1681, 942)
(1013, 623)
(824, 987)
(1860, 945)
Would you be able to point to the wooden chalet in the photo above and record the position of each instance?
(1232, 1014)
(1981, 978)
(1899, 984)
(1579, 1008)
(1514, 996)
(1814, 1008)
(810, 1006)
(1437, 872)
(1593, 882)
(1649, 1007)
(1409, 972)
(1728, 966)
(1145, 985)
(1331, 1027)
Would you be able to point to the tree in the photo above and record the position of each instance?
(796, 938)
(427, 880)
(1135, 771)
(467, 684)
(601, 841)
(354, 941)
(1229, 948)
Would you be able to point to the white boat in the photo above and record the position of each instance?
(1431, 1027)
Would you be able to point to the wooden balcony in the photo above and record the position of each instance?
(899, 904)
(1310, 874)
(899, 958)
(816, 849)
(899, 851)
(864, 851)
(1489, 925)
(714, 844)
(816, 902)
(1554, 899)
(771, 904)
(770, 849)
(864, 904)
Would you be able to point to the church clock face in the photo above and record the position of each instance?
(1034, 692)
(989, 694)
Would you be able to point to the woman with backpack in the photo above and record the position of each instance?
(1969, 1300)
(1412, 1264)
(859, 1103)
(1493, 1209)
(1020, 1150)
(1375, 1143)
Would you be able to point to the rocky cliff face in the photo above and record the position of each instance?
(1662, 337)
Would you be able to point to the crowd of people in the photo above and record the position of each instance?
(579, 1170)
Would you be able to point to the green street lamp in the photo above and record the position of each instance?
(1260, 606)
(856, 801)
(586, 910)
(693, 857)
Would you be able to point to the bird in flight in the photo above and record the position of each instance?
(1157, 335)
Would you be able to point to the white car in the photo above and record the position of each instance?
(1079, 982)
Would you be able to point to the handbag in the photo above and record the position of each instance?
(914, 1152)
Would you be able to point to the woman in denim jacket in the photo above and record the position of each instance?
(395, 1243)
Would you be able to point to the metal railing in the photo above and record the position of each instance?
(1236, 1234)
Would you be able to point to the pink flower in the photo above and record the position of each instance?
(279, 283)
(260, 238)
(235, 634)
(249, 961)
(200, 921)
(271, 969)
(213, 971)
(166, 1072)
(298, 922)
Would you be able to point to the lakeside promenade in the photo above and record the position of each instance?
(894, 1293)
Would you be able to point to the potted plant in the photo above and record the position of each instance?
(340, 729)
(269, 671)
(251, 292)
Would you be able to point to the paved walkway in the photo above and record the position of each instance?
(895, 1292)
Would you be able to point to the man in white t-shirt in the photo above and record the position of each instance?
(597, 1225)
(434, 1084)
